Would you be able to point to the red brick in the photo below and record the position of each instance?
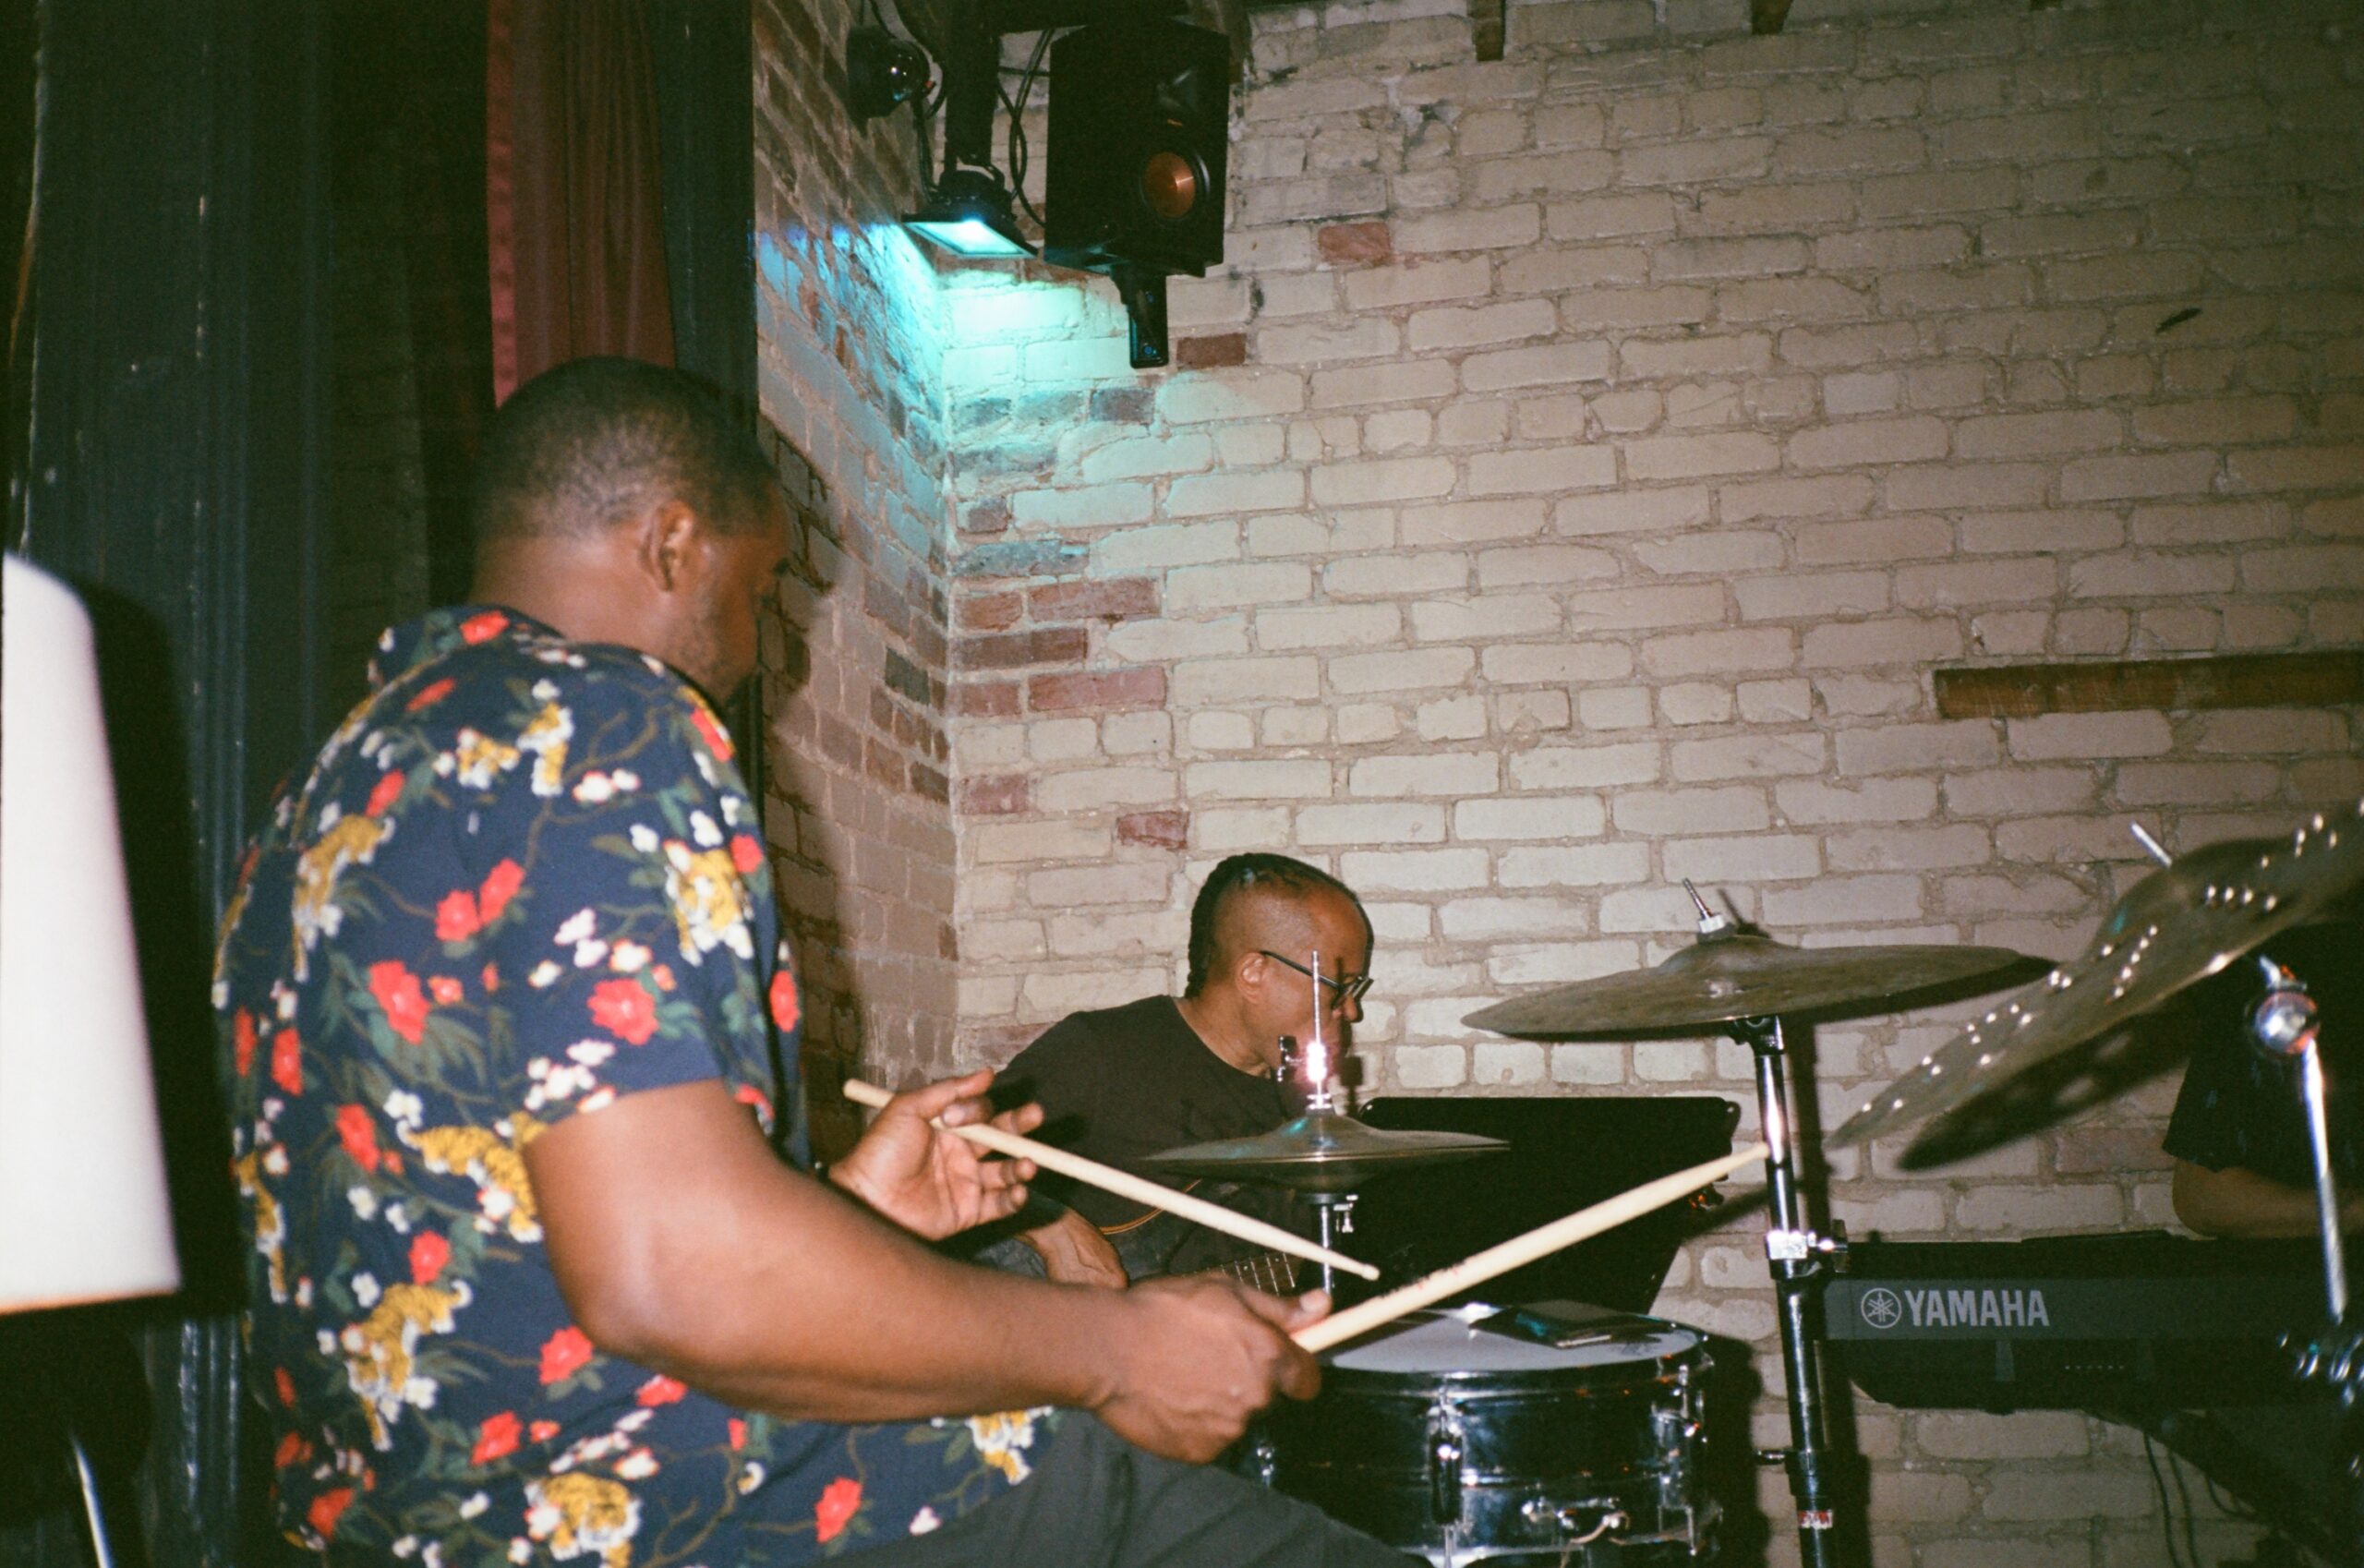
(1165, 829)
(1113, 599)
(1143, 686)
(985, 699)
(986, 517)
(1002, 795)
(991, 612)
(1349, 245)
(927, 781)
(1008, 650)
(1211, 353)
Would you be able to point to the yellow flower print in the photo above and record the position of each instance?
(378, 1349)
(271, 1221)
(477, 758)
(577, 1512)
(709, 900)
(349, 840)
(546, 738)
(999, 1437)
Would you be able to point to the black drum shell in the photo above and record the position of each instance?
(1531, 1441)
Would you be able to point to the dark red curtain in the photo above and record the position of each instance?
(572, 202)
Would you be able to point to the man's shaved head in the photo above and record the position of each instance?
(1253, 902)
(593, 442)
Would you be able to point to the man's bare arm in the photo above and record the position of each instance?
(1074, 1252)
(2238, 1202)
(681, 1242)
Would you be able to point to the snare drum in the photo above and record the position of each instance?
(1461, 1443)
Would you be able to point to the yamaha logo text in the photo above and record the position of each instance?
(1958, 1309)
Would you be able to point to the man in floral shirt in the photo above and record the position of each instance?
(508, 1024)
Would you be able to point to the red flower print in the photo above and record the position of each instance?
(663, 975)
(715, 741)
(428, 696)
(482, 628)
(327, 1509)
(496, 1438)
(456, 919)
(738, 1432)
(785, 1010)
(242, 1039)
(285, 1384)
(565, 1351)
(660, 1389)
(388, 788)
(293, 1450)
(287, 1061)
(839, 1500)
(501, 884)
(748, 1095)
(398, 993)
(360, 1134)
(492, 977)
(444, 989)
(542, 1431)
(624, 1009)
(745, 854)
(428, 1253)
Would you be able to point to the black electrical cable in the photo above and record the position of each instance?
(1015, 146)
(2166, 1510)
(2183, 1490)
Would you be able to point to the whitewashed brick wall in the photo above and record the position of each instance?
(1570, 483)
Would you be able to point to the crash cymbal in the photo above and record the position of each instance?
(1321, 1151)
(2178, 926)
(1730, 976)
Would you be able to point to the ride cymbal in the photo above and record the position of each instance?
(2177, 926)
(1730, 976)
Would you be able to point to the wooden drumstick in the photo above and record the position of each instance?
(1092, 1173)
(1518, 1250)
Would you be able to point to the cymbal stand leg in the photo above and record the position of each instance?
(1335, 1213)
(2312, 1091)
(1795, 1255)
(2283, 1024)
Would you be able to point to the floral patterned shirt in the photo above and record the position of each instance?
(522, 879)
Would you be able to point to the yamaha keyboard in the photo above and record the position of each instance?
(2106, 1324)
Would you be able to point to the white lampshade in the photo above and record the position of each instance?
(84, 1215)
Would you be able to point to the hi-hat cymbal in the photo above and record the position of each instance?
(2177, 926)
(1729, 977)
(1322, 1151)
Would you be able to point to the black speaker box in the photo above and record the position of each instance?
(1140, 133)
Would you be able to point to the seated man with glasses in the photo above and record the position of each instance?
(1123, 1082)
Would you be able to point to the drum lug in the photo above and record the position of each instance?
(1263, 1462)
(1445, 1439)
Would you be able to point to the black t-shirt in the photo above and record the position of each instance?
(2240, 1107)
(1124, 1082)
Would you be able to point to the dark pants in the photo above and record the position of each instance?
(1094, 1500)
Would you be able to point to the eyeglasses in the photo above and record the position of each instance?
(1351, 989)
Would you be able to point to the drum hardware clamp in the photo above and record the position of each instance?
(1605, 1517)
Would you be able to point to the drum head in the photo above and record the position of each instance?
(1444, 1344)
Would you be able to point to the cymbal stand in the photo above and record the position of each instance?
(1325, 1087)
(1799, 1259)
(2283, 1024)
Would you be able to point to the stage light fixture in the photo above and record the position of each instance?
(883, 72)
(968, 215)
(1140, 145)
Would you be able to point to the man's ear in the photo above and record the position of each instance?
(671, 536)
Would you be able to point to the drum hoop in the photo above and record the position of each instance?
(1581, 1380)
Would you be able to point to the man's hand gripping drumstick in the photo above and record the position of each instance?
(1108, 1179)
